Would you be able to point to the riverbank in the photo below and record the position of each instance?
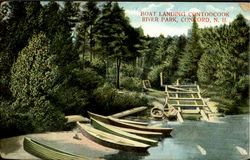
(13, 147)
(228, 139)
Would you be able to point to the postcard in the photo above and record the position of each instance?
(124, 80)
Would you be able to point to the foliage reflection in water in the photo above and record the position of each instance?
(199, 140)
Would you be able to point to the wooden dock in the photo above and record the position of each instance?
(186, 99)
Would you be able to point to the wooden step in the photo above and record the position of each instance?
(193, 111)
(204, 116)
(184, 86)
(177, 92)
(180, 98)
(187, 105)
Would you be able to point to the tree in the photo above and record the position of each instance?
(32, 78)
(86, 33)
(224, 64)
(161, 51)
(113, 32)
(19, 21)
(209, 61)
(193, 51)
(232, 74)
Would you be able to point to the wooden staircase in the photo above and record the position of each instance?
(185, 99)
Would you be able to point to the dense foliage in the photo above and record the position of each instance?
(45, 72)
(215, 57)
(61, 59)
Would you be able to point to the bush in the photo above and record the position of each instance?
(99, 66)
(131, 83)
(13, 123)
(107, 100)
(154, 76)
(129, 70)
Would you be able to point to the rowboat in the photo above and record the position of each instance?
(165, 131)
(45, 151)
(115, 122)
(142, 133)
(104, 119)
(110, 140)
(133, 122)
(116, 131)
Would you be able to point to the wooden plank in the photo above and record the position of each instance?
(75, 118)
(176, 95)
(183, 98)
(179, 117)
(198, 89)
(192, 111)
(203, 114)
(179, 92)
(187, 105)
(161, 80)
(166, 89)
(178, 102)
(195, 102)
(177, 82)
(184, 86)
(129, 112)
(181, 89)
(179, 109)
(143, 83)
(168, 94)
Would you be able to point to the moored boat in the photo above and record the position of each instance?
(142, 133)
(115, 122)
(165, 131)
(116, 131)
(133, 122)
(110, 140)
(45, 151)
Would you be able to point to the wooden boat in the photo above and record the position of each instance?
(116, 131)
(165, 131)
(110, 140)
(148, 134)
(142, 133)
(115, 122)
(133, 122)
(157, 113)
(45, 151)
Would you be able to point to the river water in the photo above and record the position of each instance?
(227, 138)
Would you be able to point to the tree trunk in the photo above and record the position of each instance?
(118, 65)
(137, 62)
(91, 54)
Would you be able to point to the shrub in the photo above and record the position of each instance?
(131, 83)
(129, 70)
(154, 76)
(107, 100)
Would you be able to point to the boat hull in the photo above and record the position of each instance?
(117, 131)
(46, 152)
(111, 141)
(115, 122)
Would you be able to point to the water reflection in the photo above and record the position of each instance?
(199, 140)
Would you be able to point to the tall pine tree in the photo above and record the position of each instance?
(188, 65)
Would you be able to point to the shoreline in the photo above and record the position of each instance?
(12, 147)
